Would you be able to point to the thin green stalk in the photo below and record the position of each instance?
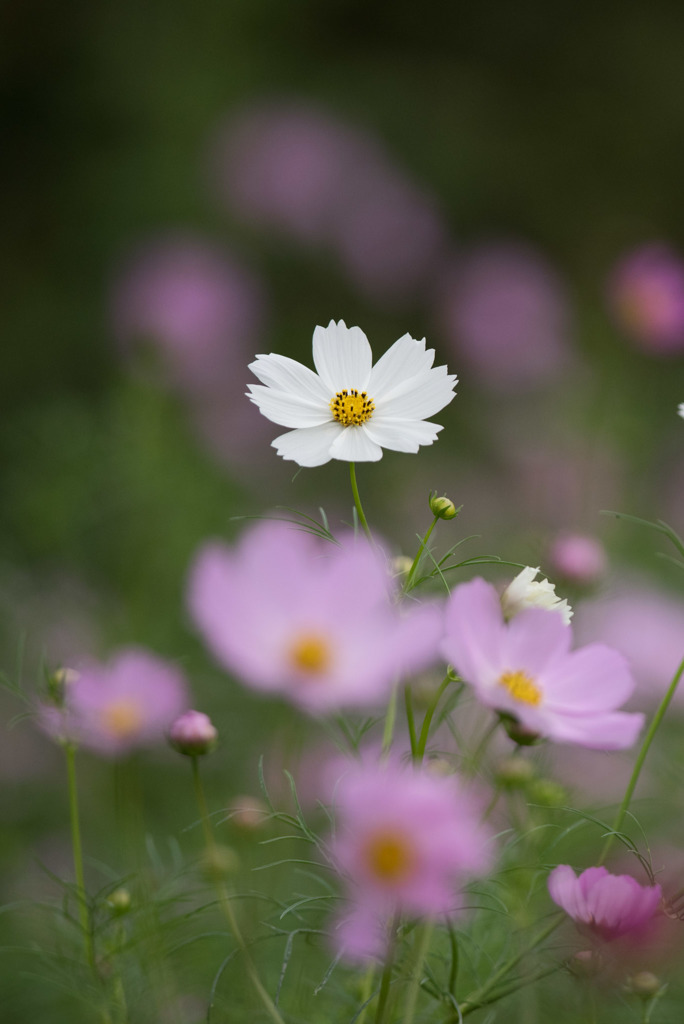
(225, 902)
(366, 989)
(390, 719)
(639, 763)
(422, 945)
(357, 502)
(387, 972)
(427, 721)
(411, 722)
(408, 583)
(479, 996)
(84, 916)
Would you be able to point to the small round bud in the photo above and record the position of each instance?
(58, 682)
(523, 737)
(119, 902)
(193, 734)
(401, 565)
(443, 508)
(644, 984)
(547, 793)
(248, 812)
(439, 766)
(219, 863)
(585, 964)
(514, 772)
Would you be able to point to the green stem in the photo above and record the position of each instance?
(357, 502)
(479, 996)
(224, 899)
(422, 944)
(84, 917)
(427, 721)
(408, 583)
(387, 971)
(366, 989)
(411, 722)
(648, 739)
(390, 719)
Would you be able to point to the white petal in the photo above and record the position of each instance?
(287, 374)
(402, 435)
(309, 446)
(404, 360)
(420, 398)
(355, 445)
(342, 356)
(287, 409)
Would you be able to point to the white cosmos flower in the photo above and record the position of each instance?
(350, 409)
(527, 592)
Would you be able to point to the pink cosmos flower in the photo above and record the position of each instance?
(114, 708)
(578, 558)
(294, 615)
(609, 906)
(406, 841)
(646, 293)
(506, 311)
(525, 668)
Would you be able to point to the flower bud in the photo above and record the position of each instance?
(219, 863)
(443, 508)
(119, 902)
(248, 812)
(57, 683)
(547, 792)
(193, 734)
(514, 772)
(401, 565)
(644, 984)
(523, 737)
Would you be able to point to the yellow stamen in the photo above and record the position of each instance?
(310, 654)
(390, 855)
(122, 718)
(521, 687)
(351, 408)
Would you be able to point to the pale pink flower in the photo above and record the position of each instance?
(406, 842)
(506, 311)
(578, 558)
(193, 734)
(296, 616)
(525, 668)
(608, 906)
(112, 709)
(646, 294)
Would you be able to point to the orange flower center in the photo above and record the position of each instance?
(351, 408)
(122, 718)
(390, 855)
(521, 687)
(310, 654)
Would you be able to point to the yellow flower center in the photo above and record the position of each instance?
(310, 654)
(122, 718)
(390, 855)
(521, 687)
(351, 408)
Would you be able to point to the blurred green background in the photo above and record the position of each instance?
(555, 130)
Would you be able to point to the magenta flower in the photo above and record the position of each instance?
(506, 311)
(609, 906)
(525, 668)
(313, 621)
(115, 708)
(578, 558)
(406, 842)
(646, 294)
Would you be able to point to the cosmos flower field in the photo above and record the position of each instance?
(424, 861)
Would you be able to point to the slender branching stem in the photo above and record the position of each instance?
(386, 979)
(639, 763)
(427, 721)
(357, 502)
(408, 583)
(77, 849)
(225, 902)
(422, 945)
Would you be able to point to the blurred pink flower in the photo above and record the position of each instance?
(406, 841)
(505, 309)
(294, 615)
(608, 906)
(646, 295)
(646, 625)
(193, 733)
(114, 708)
(524, 668)
(298, 169)
(578, 558)
(196, 305)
